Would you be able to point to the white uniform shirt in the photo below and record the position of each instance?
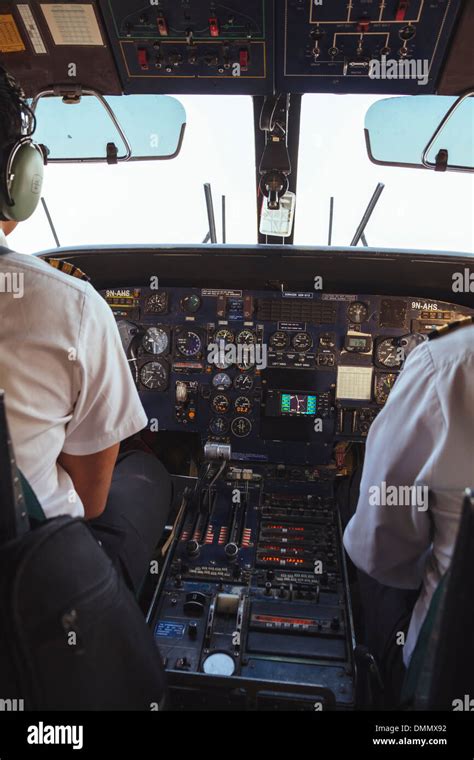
(66, 378)
(424, 433)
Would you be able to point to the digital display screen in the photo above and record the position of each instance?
(357, 342)
(298, 404)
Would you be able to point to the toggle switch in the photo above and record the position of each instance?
(142, 58)
(244, 59)
(162, 26)
(401, 11)
(363, 25)
(214, 26)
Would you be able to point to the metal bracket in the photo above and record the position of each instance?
(71, 95)
(441, 162)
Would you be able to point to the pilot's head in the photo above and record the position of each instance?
(21, 169)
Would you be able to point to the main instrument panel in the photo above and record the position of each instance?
(278, 376)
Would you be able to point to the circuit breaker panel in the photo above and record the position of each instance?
(205, 47)
(380, 46)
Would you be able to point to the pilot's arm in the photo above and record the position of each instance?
(106, 405)
(404, 445)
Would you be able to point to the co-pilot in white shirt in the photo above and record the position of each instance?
(424, 433)
(67, 383)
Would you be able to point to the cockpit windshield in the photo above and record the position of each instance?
(163, 202)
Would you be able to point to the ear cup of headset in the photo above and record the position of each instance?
(22, 181)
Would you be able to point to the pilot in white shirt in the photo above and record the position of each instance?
(70, 397)
(423, 435)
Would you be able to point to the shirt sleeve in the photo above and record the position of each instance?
(107, 407)
(391, 542)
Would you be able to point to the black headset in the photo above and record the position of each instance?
(22, 162)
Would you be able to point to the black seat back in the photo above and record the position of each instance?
(13, 512)
(72, 636)
(447, 673)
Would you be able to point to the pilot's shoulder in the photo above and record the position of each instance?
(55, 277)
(453, 344)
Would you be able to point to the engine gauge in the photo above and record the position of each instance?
(246, 337)
(191, 304)
(279, 340)
(223, 364)
(155, 340)
(218, 426)
(302, 341)
(220, 404)
(188, 343)
(383, 385)
(357, 312)
(246, 365)
(154, 376)
(221, 381)
(242, 405)
(224, 335)
(157, 303)
(389, 353)
(241, 427)
(243, 382)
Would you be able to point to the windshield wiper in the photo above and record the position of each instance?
(367, 214)
(50, 222)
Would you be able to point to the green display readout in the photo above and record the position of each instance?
(298, 404)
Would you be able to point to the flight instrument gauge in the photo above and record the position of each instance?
(221, 381)
(383, 385)
(155, 340)
(302, 341)
(154, 376)
(246, 337)
(279, 340)
(188, 343)
(157, 303)
(191, 304)
(241, 427)
(357, 312)
(389, 353)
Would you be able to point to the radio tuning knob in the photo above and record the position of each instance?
(231, 551)
(192, 548)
